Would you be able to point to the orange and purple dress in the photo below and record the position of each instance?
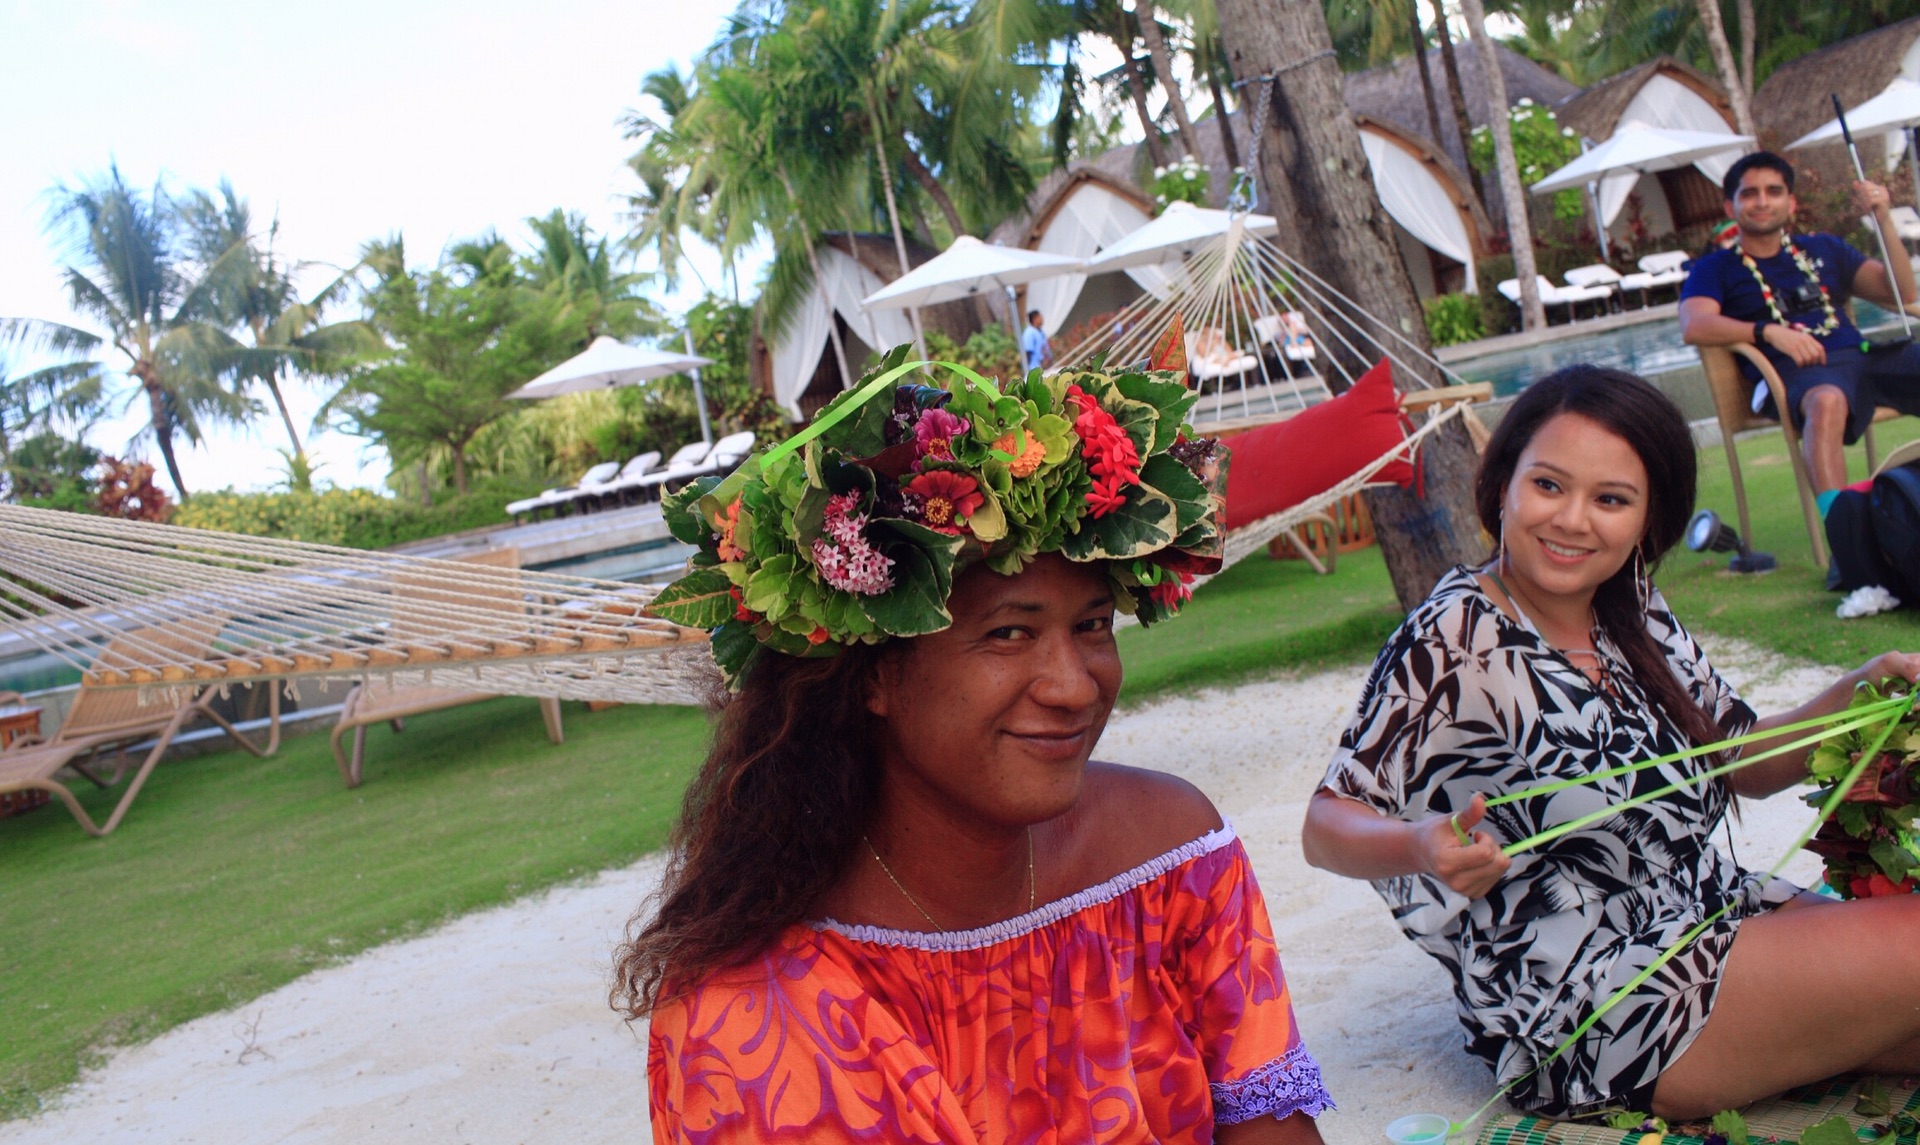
(1149, 1008)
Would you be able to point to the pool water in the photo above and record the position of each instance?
(1646, 349)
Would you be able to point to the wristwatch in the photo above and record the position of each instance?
(1760, 332)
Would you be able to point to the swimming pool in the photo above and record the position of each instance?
(1647, 349)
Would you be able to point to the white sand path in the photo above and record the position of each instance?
(495, 1027)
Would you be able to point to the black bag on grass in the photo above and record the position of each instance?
(1894, 508)
(1855, 560)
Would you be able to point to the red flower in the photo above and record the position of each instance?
(948, 499)
(818, 635)
(1110, 454)
(1173, 592)
(740, 609)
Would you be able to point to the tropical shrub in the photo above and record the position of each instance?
(991, 351)
(127, 491)
(355, 518)
(1452, 319)
(1184, 182)
(1540, 147)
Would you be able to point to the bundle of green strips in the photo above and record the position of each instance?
(852, 531)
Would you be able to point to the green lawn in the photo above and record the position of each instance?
(232, 876)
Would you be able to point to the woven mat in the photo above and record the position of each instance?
(1781, 1118)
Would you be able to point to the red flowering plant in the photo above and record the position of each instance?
(854, 533)
(1870, 844)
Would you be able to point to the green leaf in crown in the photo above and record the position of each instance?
(854, 531)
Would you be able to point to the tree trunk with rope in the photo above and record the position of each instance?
(1308, 154)
(1533, 316)
(1149, 21)
(1457, 95)
(1716, 32)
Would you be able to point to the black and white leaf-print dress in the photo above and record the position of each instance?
(1464, 700)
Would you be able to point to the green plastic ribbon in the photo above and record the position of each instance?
(864, 395)
(1893, 709)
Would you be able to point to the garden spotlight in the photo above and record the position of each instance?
(1707, 533)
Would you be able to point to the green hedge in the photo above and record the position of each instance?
(356, 518)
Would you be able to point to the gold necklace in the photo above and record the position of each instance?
(902, 887)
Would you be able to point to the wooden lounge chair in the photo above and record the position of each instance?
(1733, 408)
(105, 722)
(380, 701)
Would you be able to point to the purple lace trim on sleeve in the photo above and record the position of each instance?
(1286, 1085)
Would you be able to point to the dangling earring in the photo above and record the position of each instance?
(1502, 546)
(1642, 585)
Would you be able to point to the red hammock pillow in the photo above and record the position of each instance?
(1278, 466)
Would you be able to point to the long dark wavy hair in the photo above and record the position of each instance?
(768, 826)
(1646, 419)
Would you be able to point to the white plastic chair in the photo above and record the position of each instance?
(554, 498)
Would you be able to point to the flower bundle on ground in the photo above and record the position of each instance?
(1870, 845)
(857, 536)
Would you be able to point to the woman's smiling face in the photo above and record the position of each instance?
(1575, 508)
(997, 715)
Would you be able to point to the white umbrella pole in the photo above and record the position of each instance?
(1913, 160)
(1886, 257)
(700, 395)
(1599, 220)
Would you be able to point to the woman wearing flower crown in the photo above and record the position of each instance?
(1556, 661)
(901, 903)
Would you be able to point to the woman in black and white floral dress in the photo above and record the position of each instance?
(1557, 660)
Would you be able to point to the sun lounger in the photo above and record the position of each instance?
(591, 495)
(1665, 268)
(105, 722)
(1596, 276)
(1288, 334)
(554, 498)
(1551, 295)
(1210, 355)
(383, 702)
(700, 461)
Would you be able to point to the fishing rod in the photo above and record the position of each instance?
(1886, 258)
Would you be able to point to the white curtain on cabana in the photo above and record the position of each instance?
(1665, 102)
(1418, 201)
(842, 284)
(1092, 218)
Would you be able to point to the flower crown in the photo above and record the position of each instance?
(852, 531)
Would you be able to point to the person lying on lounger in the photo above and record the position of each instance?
(901, 903)
(1555, 660)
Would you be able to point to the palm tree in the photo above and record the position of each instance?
(1148, 21)
(66, 396)
(569, 261)
(250, 289)
(1533, 315)
(130, 275)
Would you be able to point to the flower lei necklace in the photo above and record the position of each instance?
(1832, 321)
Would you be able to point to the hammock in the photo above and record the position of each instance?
(86, 590)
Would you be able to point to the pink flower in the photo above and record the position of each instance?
(933, 434)
(948, 498)
(845, 558)
(1173, 592)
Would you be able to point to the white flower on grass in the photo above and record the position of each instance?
(1159, 172)
(1525, 101)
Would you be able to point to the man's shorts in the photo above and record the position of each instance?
(1889, 377)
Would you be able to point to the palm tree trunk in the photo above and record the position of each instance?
(931, 185)
(893, 216)
(1457, 94)
(1314, 170)
(1716, 31)
(1426, 73)
(813, 260)
(1226, 126)
(161, 423)
(1744, 8)
(460, 468)
(1149, 21)
(280, 401)
(1533, 315)
(1136, 90)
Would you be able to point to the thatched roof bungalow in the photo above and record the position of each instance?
(1797, 97)
(795, 364)
(1663, 92)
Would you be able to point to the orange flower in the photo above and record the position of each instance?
(947, 499)
(818, 635)
(1028, 459)
(728, 550)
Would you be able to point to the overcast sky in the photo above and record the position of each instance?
(353, 119)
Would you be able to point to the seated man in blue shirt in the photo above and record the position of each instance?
(1033, 343)
(1787, 294)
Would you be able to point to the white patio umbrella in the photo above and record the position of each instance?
(964, 270)
(1180, 230)
(609, 362)
(1894, 109)
(1637, 147)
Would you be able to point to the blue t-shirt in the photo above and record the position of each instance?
(1722, 277)
(1033, 343)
